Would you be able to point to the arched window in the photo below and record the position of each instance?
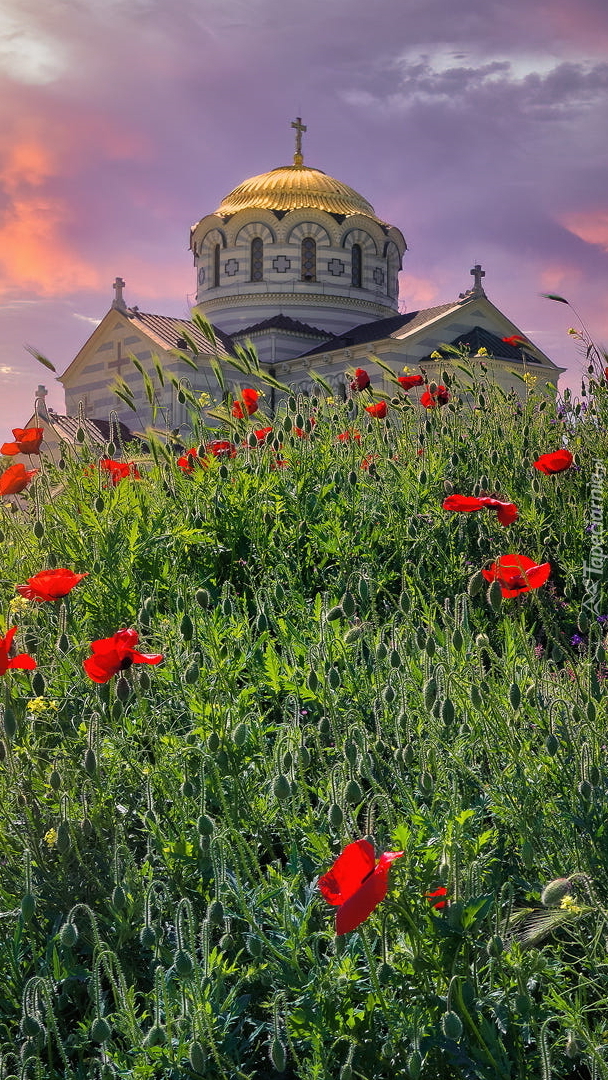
(309, 259)
(216, 266)
(257, 259)
(356, 266)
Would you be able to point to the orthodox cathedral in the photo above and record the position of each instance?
(300, 265)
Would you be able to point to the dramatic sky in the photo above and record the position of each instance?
(478, 128)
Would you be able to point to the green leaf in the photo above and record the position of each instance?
(40, 358)
(554, 296)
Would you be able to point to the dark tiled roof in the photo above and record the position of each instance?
(169, 332)
(382, 328)
(283, 322)
(477, 338)
(97, 432)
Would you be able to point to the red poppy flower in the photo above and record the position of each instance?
(191, 458)
(249, 399)
(431, 398)
(368, 461)
(555, 462)
(50, 584)
(15, 479)
(361, 380)
(118, 470)
(407, 381)
(22, 660)
(379, 410)
(221, 448)
(437, 898)
(515, 340)
(27, 441)
(346, 436)
(356, 883)
(506, 512)
(517, 574)
(114, 654)
(261, 433)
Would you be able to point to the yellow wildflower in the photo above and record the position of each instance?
(204, 400)
(17, 605)
(406, 370)
(40, 704)
(572, 331)
(482, 352)
(50, 837)
(568, 903)
(530, 380)
(436, 356)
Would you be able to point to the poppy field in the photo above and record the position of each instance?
(304, 740)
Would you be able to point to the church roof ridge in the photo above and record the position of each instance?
(167, 329)
(383, 328)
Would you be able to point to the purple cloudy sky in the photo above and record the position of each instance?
(478, 128)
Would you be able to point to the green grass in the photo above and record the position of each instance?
(334, 668)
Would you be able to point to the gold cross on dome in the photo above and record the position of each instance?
(298, 158)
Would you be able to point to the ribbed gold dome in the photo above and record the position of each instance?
(293, 186)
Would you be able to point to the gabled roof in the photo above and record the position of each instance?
(383, 328)
(169, 332)
(284, 322)
(97, 432)
(477, 338)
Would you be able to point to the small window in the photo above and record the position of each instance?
(356, 263)
(257, 259)
(216, 266)
(309, 259)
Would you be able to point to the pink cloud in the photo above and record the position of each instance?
(589, 225)
(416, 292)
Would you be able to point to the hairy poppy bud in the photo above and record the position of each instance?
(551, 744)
(348, 605)
(241, 734)
(333, 678)
(213, 742)
(28, 906)
(430, 693)
(38, 683)
(191, 674)
(184, 964)
(100, 1030)
(457, 639)
(197, 1058)
(123, 688)
(336, 816)
(555, 891)
(148, 937)
(278, 1055)
(451, 1025)
(55, 780)
(64, 839)
(157, 1036)
(585, 789)
(10, 722)
(494, 596)
(90, 762)
(353, 793)
(30, 1027)
(426, 783)
(515, 696)
(119, 898)
(68, 935)
(281, 787)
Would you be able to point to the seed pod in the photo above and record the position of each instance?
(515, 696)
(353, 793)
(197, 1057)
(451, 1025)
(278, 1055)
(555, 891)
(348, 605)
(333, 678)
(100, 1030)
(184, 964)
(336, 816)
(281, 787)
(192, 673)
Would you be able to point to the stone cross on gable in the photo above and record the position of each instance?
(118, 301)
(478, 274)
(300, 127)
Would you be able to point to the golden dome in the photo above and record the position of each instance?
(292, 187)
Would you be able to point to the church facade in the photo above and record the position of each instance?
(298, 264)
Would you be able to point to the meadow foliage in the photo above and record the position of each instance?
(245, 671)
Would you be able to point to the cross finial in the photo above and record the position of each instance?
(40, 403)
(118, 301)
(298, 158)
(478, 274)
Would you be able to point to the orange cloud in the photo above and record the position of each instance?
(589, 225)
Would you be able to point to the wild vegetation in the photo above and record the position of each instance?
(316, 659)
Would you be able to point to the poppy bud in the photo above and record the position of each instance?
(55, 780)
(352, 635)
(100, 1030)
(404, 602)
(202, 598)
(348, 605)
(64, 839)
(335, 613)
(426, 783)
(184, 964)
(312, 682)
(555, 891)
(414, 1064)
(336, 816)
(430, 693)
(213, 742)
(119, 898)
(281, 787)
(346, 1072)
(448, 487)
(148, 937)
(395, 659)
(278, 1055)
(515, 696)
(90, 762)
(353, 793)
(457, 639)
(241, 734)
(551, 744)
(197, 1058)
(333, 678)
(591, 711)
(157, 1036)
(123, 688)
(2, 750)
(63, 643)
(215, 912)
(10, 722)
(389, 694)
(381, 651)
(186, 627)
(38, 530)
(585, 789)
(572, 1048)
(28, 906)
(191, 674)
(447, 712)
(68, 935)
(429, 645)
(31, 1027)
(451, 1025)
(494, 596)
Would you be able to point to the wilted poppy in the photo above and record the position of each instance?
(555, 462)
(114, 654)
(434, 396)
(407, 381)
(347, 436)
(379, 410)
(50, 584)
(15, 479)
(356, 883)
(506, 512)
(517, 574)
(437, 898)
(22, 660)
(361, 380)
(27, 441)
(119, 470)
(249, 399)
(515, 340)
